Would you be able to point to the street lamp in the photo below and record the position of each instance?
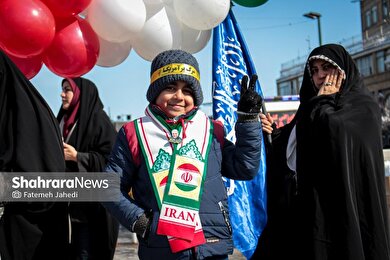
(314, 15)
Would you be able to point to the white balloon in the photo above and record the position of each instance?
(201, 14)
(112, 53)
(117, 20)
(193, 40)
(153, 2)
(161, 32)
(153, 9)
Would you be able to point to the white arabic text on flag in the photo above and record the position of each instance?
(247, 199)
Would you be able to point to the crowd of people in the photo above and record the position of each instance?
(325, 169)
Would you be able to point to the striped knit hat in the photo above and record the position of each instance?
(170, 66)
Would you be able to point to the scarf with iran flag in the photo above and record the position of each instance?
(177, 170)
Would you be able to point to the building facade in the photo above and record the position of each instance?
(371, 52)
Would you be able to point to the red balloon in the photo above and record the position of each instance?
(65, 8)
(29, 66)
(27, 27)
(74, 50)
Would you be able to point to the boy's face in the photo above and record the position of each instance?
(176, 99)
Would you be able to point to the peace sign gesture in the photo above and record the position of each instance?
(250, 101)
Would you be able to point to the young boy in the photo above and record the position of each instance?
(171, 163)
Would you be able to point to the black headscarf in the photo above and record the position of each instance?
(342, 212)
(29, 135)
(339, 56)
(30, 141)
(94, 133)
(334, 206)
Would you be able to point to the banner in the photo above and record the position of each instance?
(247, 199)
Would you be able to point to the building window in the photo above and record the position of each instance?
(368, 19)
(374, 14)
(385, 9)
(294, 89)
(300, 79)
(387, 60)
(380, 61)
(364, 65)
(285, 88)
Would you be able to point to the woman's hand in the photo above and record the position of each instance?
(332, 83)
(266, 123)
(70, 153)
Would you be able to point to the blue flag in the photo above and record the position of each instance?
(247, 199)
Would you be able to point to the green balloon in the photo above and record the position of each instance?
(250, 3)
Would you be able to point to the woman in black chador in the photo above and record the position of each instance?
(88, 136)
(30, 141)
(330, 157)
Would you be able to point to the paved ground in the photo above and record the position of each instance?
(127, 249)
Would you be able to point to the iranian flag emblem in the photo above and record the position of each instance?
(163, 183)
(187, 177)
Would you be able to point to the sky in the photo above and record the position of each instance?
(275, 32)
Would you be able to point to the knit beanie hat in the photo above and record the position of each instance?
(170, 66)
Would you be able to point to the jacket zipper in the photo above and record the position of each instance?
(225, 216)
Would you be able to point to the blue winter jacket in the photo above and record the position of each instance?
(240, 161)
